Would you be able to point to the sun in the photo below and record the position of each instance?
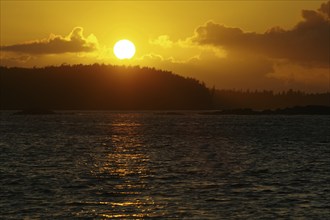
(124, 49)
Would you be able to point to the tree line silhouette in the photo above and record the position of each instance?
(236, 99)
(100, 87)
(110, 87)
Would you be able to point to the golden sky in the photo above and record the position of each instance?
(227, 44)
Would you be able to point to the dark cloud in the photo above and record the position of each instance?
(55, 44)
(325, 9)
(307, 42)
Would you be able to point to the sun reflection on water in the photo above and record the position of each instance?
(124, 165)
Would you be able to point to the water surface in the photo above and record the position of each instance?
(108, 165)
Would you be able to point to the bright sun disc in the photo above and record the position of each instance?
(124, 49)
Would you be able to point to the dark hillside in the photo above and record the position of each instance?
(100, 87)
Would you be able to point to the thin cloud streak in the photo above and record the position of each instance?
(75, 42)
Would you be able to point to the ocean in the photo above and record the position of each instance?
(145, 165)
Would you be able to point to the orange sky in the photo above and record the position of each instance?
(227, 44)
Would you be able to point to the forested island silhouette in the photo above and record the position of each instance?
(110, 87)
(100, 87)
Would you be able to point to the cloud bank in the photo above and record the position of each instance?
(306, 43)
(56, 44)
(279, 59)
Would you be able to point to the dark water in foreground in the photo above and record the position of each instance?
(143, 165)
